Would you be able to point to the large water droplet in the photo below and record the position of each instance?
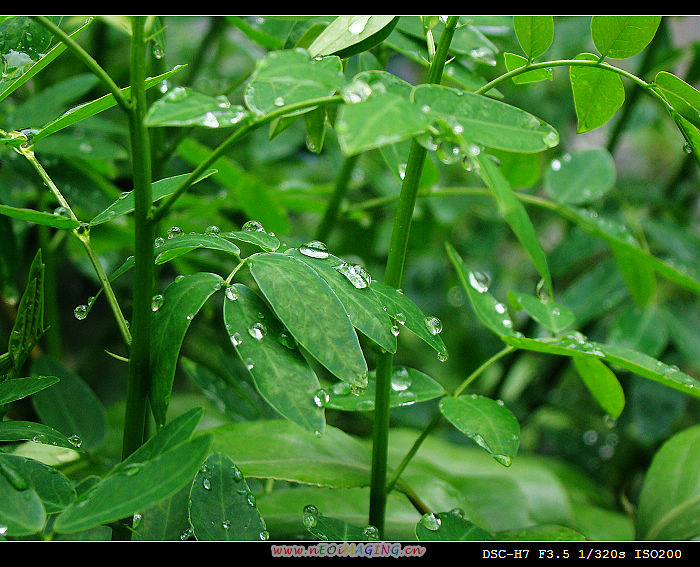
(310, 516)
(253, 226)
(370, 532)
(75, 440)
(314, 249)
(479, 281)
(356, 91)
(156, 302)
(358, 26)
(400, 380)
(80, 312)
(356, 274)
(257, 331)
(431, 522)
(212, 230)
(321, 398)
(434, 325)
(231, 293)
(174, 232)
(206, 483)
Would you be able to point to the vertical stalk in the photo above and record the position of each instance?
(341, 185)
(393, 276)
(139, 358)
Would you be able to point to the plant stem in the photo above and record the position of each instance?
(341, 186)
(86, 59)
(245, 129)
(393, 276)
(437, 417)
(84, 239)
(139, 357)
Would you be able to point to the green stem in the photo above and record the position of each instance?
(332, 209)
(649, 88)
(245, 129)
(437, 417)
(52, 336)
(84, 239)
(139, 357)
(86, 59)
(393, 276)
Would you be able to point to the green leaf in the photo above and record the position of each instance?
(669, 503)
(449, 526)
(16, 430)
(314, 315)
(684, 98)
(263, 240)
(602, 383)
(514, 62)
(279, 371)
(406, 313)
(39, 217)
(598, 94)
(535, 34)
(181, 301)
(179, 245)
(13, 81)
(408, 387)
(326, 528)
(638, 273)
(546, 532)
(349, 35)
(287, 77)
(514, 213)
(362, 305)
(125, 204)
(54, 490)
(555, 316)
(222, 507)
(18, 388)
(135, 488)
(487, 308)
(166, 521)
(628, 359)
(170, 436)
(377, 121)
(182, 106)
(620, 37)
(489, 423)
(21, 510)
(83, 111)
(29, 323)
(70, 406)
(485, 121)
(580, 176)
(281, 450)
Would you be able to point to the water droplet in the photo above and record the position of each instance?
(551, 139)
(156, 302)
(264, 535)
(358, 26)
(136, 521)
(253, 226)
(250, 499)
(80, 312)
(505, 460)
(186, 534)
(314, 249)
(370, 532)
(400, 380)
(356, 274)
(479, 281)
(249, 363)
(237, 474)
(590, 437)
(212, 230)
(206, 483)
(75, 440)
(395, 330)
(231, 293)
(458, 512)
(226, 524)
(133, 469)
(448, 152)
(321, 398)
(61, 212)
(356, 91)
(236, 339)
(310, 516)
(542, 291)
(159, 242)
(3, 530)
(257, 331)
(430, 522)
(174, 232)
(124, 194)
(279, 101)
(434, 325)
(442, 357)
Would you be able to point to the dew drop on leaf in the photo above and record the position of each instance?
(431, 522)
(314, 249)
